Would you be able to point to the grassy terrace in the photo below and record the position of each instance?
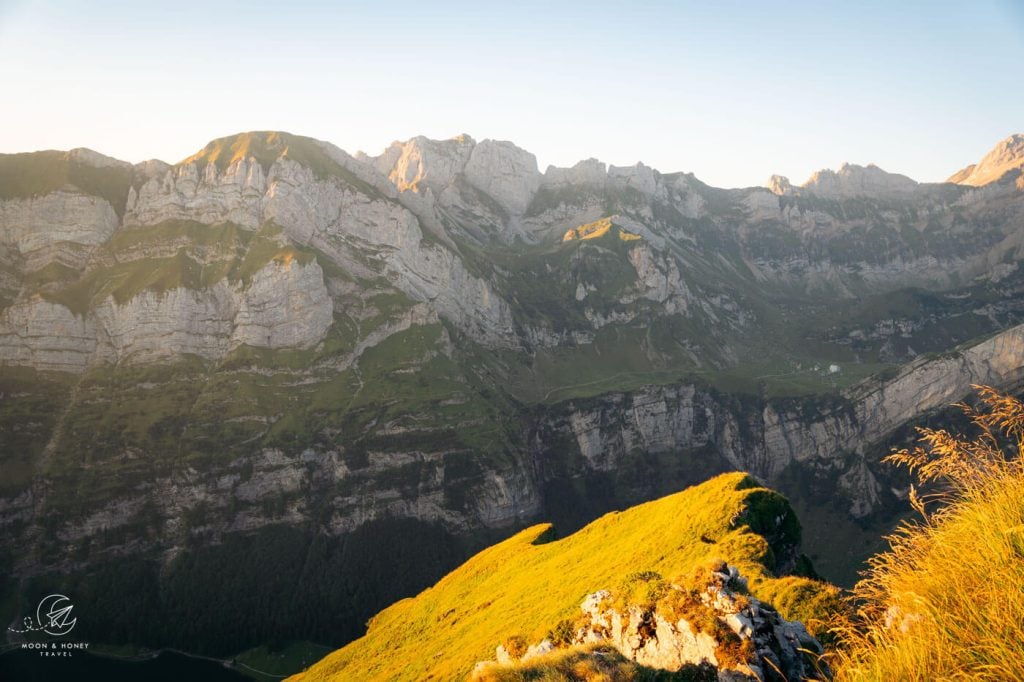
(177, 253)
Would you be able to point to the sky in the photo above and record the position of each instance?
(732, 91)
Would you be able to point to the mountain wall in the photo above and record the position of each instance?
(274, 339)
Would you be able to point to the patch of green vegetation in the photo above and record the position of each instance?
(225, 239)
(533, 585)
(265, 249)
(31, 403)
(37, 173)
(118, 410)
(124, 281)
(202, 256)
(51, 273)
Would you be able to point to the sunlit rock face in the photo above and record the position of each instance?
(852, 180)
(1005, 157)
(422, 164)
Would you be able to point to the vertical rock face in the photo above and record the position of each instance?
(202, 193)
(286, 306)
(765, 437)
(155, 326)
(505, 172)
(62, 226)
(373, 236)
(47, 336)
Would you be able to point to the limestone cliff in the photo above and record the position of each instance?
(273, 335)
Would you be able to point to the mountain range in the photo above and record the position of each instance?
(275, 368)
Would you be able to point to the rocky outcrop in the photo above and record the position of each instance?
(718, 625)
(779, 184)
(756, 643)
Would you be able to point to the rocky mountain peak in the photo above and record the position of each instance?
(852, 180)
(421, 163)
(500, 169)
(1006, 156)
(780, 184)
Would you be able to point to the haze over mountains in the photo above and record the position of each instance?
(347, 360)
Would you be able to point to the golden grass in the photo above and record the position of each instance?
(525, 586)
(947, 602)
(597, 229)
(590, 663)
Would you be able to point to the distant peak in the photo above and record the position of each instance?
(95, 159)
(854, 180)
(1006, 156)
(265, 146)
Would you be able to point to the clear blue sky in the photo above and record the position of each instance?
(732, 91)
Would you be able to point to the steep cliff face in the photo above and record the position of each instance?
(767, 436)
(60, 227)
(273, 335)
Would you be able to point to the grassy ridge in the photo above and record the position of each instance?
(529, 582)
(37, 173)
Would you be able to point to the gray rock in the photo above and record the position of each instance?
(505, 172)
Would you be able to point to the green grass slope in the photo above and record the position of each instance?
(529, 582)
